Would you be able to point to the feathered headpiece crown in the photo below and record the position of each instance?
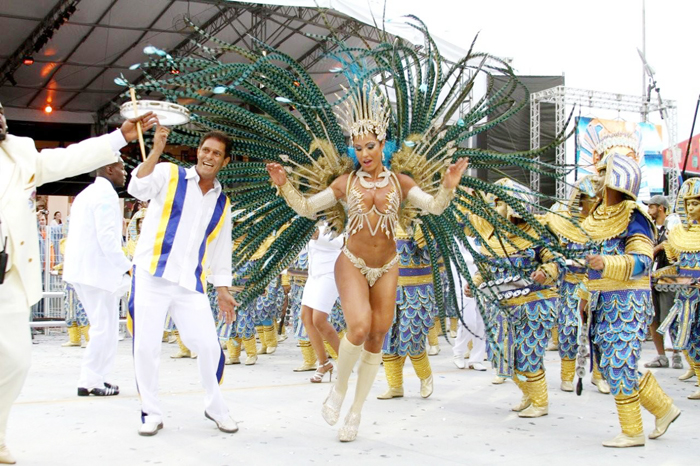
(365, 111)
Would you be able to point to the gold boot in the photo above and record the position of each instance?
(270, 337)
(184, 351)
(696, 369)
(453, 327)
(73, 336)
(250, 351)
(433, 341)
(554, 341)
(329, 349)
(687, 375)
(658, 403)
(598, 380)
(630, 415)
(281, 336)
(422, 367)
(260, 331)
(85, 332)
(309, 355)
(233, 345)
(537, 391)
(525, 402)
(393, 367)
(568, 371)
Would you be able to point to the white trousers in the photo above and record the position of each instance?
(471, 317)
(151, 299)
(102, 309)
(15, 345)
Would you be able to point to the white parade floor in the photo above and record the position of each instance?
(467, 420)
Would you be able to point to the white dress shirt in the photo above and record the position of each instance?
(94, 254)
(185, 232)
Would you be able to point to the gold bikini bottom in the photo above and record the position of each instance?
(372, 274)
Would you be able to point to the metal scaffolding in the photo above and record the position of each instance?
(562, 96)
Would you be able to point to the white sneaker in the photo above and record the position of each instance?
(149, 429)
(497, 380)
(228, 425)
(459, 362)
(477, 366)
(433, 350)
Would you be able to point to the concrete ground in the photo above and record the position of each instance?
(467, 420)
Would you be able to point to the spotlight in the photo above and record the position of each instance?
(48, 109)
(28, 60)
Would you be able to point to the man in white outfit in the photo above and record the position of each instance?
(97, 268)
(474, 331)
(185, 233)
(22, 170)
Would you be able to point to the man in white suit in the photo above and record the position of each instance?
(22, 169)
(97, 268)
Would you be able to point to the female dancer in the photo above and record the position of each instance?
(367, 271)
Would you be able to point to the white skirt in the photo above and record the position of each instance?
(320, 292)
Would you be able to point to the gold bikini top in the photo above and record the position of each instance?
(358, 217)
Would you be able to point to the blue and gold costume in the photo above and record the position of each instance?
(683, 247)
(575, 240)
(298, 272)
(526, 313)
(619, 299)
(415, 309)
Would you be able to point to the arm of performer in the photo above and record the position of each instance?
(437, 204)
(305, 207)
(547, 273)
(639, 253)
(146, 179)
(93, 153)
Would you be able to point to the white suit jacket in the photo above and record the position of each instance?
(22, 169)
(94, 254)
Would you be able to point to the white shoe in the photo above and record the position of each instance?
(664, 421)
(149, 429)
(689, 374)
(525, 403)
(391, 393)
(459, 362)
(250, 360)
(228, 425)
(477, 366)
(534, 411)
(567, 386)
(602, 385)
(348, 432)
(433, 350)
(453, 334)
(5, 456)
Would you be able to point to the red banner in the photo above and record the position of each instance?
(693, 165)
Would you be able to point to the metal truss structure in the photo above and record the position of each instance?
(562, 97)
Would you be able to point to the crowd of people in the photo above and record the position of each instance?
(374, 292)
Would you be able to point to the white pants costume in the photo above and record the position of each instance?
(102, 309)
(320, 293)
(471, 317)
(15, 345)
(151, 299)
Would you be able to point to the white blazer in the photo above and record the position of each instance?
(22, 169)
(94, 254)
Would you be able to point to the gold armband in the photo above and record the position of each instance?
(639, 244)
(431, 204)
(551, 270)
(671, 252)
(307, 207)
(618, 267)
